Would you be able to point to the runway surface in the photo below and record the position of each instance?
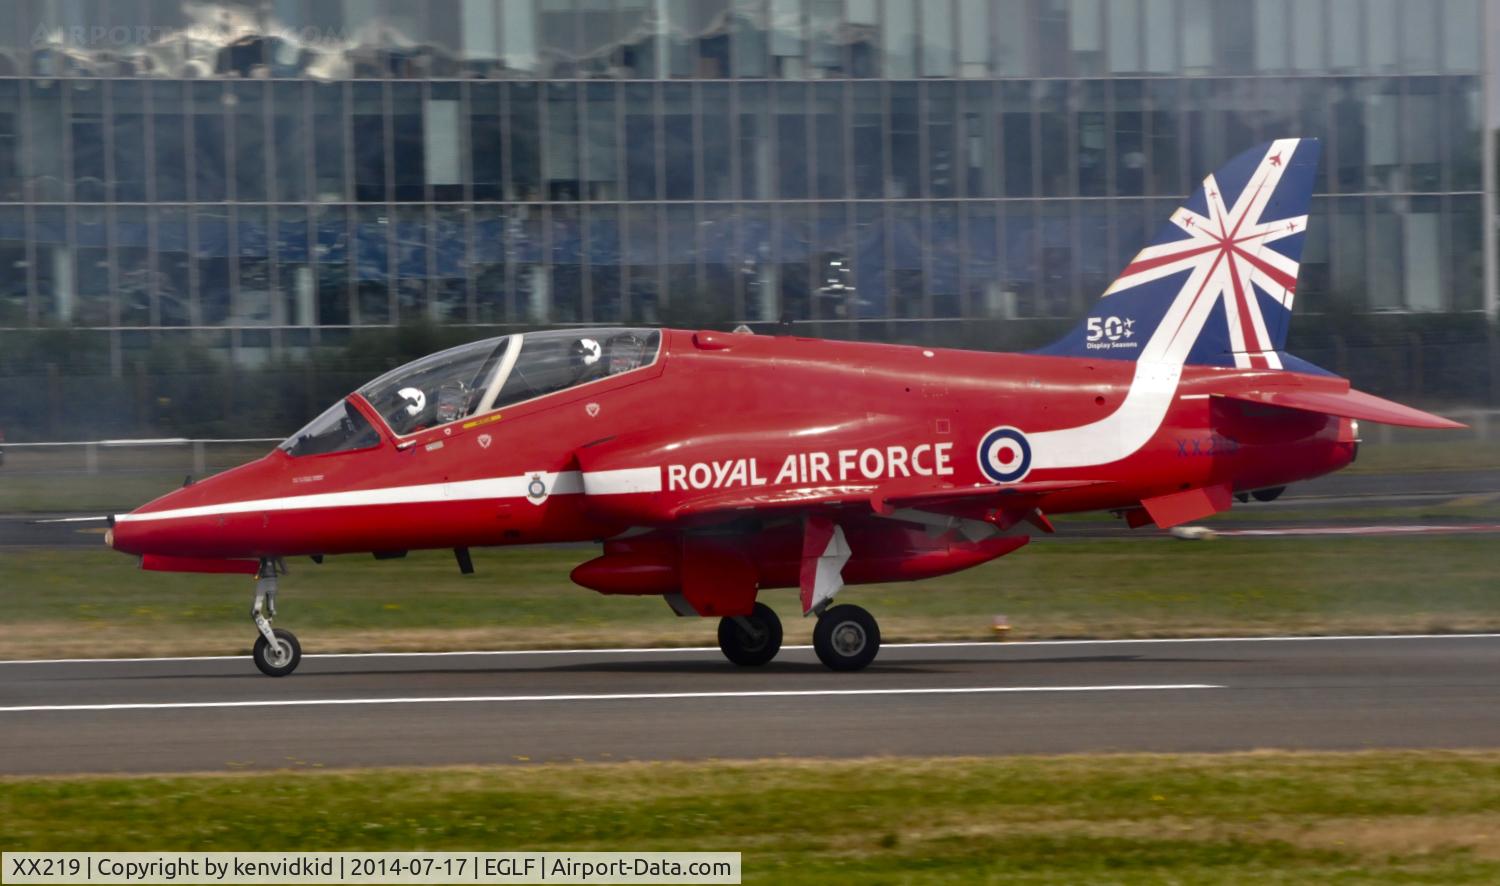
(929, 699)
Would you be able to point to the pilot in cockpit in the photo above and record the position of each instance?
(585, 355)
(623, 353)
(452, 402)
(618, 354)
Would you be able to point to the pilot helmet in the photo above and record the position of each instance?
(585, 352)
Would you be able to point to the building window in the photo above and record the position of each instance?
(369, 142)
(640, 141)
(209, 142)
(251, 149)
(442, 153)
(937, 49)
(791, 140)
(906, 146)
(43, 166)
(679, 157)
(560, 147)
(828, 134)
(486, 142)
(900, 39)
(15, 308)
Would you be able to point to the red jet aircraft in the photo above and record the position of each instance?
(716, 465)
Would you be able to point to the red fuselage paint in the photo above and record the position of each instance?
(735, 416)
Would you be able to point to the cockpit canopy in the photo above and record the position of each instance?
(476, 378)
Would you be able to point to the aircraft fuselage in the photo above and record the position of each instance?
(752, 418)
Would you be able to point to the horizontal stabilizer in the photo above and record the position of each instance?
(1349, 404)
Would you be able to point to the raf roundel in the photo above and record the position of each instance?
(536, 490)
(1004, 455)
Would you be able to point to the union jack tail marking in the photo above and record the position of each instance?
(1216, 285)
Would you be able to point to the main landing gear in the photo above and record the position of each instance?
(751, 640)
(277, 652)
(846, 637)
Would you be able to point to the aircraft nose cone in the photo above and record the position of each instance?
(184, 522)
(171, 527)
(123, 539)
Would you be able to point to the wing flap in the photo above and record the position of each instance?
(1020, 498)
(1000, 496)
(757, 499)
(1348, 404)
(1177, 508)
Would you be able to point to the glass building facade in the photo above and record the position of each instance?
(276, 172)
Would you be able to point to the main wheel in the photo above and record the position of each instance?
(756, 646)
(283, 659)
(846, 638)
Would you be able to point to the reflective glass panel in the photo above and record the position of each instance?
(14, 310)
(900, 35)
(937, 38)
(1271, 35)
(127, 101)
(340, 429)
(437, 389)
(561, 359)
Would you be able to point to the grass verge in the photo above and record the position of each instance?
(1387, 817)
(96, 603)
(1441, 454)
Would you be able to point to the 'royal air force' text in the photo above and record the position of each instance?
(843, 466)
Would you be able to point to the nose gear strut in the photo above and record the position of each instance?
(277, 652)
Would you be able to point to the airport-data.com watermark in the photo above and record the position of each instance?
(370, 867)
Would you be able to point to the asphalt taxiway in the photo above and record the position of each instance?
(929, 699)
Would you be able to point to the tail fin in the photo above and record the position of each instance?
(1215, 287)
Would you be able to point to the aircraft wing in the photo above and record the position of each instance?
(965, 524)
(993, 495)
(1006, 504)
(1347, 404)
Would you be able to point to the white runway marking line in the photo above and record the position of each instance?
(622, 696)
(955, 644)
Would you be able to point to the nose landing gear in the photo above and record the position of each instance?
(277, 652)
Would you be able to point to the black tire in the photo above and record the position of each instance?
(276, 666)
(1268, 494)
(749, 650)
(846, 638)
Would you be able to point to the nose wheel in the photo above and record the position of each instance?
(846, 638)
(280, 659)
(277, 652)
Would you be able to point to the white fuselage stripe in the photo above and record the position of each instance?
(1158, 369)
(1119, 434)
(622, 481)
(556, 482)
